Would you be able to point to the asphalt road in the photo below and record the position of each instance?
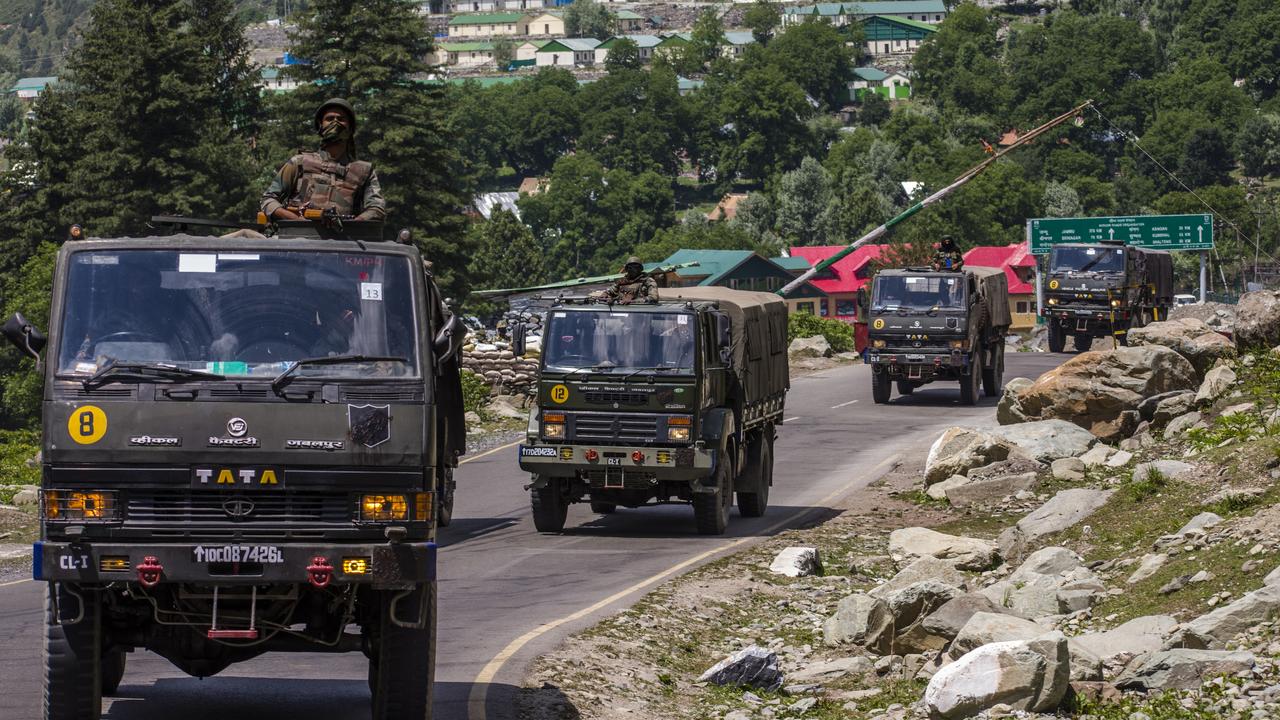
(508, 594)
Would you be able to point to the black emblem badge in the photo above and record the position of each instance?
(370, 424)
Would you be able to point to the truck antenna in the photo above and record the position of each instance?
(956, 184)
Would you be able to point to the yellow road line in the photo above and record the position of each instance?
(490, 452)
(479, 696)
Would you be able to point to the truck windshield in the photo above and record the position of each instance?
(238, 314)
(602, 340)
(924, 292)
(1086, 259)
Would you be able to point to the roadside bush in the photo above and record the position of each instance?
(17, 447)
(838, 334)
(475, 392)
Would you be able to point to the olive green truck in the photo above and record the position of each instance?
(673, 402)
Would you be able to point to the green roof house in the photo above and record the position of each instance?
(483, 25)
(840, 14)
(888, 35)
(740, 270)
(567, 52)
(893, 86)
(29, 88)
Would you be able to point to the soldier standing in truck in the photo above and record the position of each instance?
(331, 179)
(633, 287)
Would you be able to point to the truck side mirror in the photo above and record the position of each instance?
(724, 339)
(518, 333)
(448, 341)
(24, 336)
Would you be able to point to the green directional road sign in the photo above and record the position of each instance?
(1156, 232)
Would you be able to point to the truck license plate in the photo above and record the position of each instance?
(915, 358)
(265, 554)
(612, 461)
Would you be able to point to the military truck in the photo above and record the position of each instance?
(1097, 290)
(677, 401)
(243, 441)
(928, 325)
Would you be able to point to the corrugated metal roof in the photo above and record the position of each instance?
(712, 263)
(34, 83)
(574, 44)
(628, 15)
(870, 74)
(739, 37)
(642, 41)
(908, 23)
(485, 19)
(845, 270)
(795, 262)
(468, 47)
(1007, 257)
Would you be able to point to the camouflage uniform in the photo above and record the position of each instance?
(948, 251)
(316, 180)
(634, 287)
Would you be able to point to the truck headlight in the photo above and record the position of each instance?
(1053, 301)
(877, 343)
(678, 434)
(553, 431)
(1115, 303)
(957, 344)
(80, 505)
(382, 508)
(422, 506)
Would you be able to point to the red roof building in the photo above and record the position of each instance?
(1019, 269)
(843, 280)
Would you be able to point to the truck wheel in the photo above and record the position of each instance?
(993, 377)
(73, 654)
(711, 510)
(603, 508)
(113, 662)
(550, 509)
(760, 470)
(402, 676)
(444, 497)
(905, 387)
(1083, 342)
(971, 384)
(880, 388)
(1057, 340)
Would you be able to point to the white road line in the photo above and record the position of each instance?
(833, 407)
(787, 420)
(16, 582)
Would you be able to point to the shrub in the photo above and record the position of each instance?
(838, 334)
(475, 392)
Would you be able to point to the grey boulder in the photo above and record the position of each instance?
(1182, 668)
(1026, 675)
(1061, 512)
(861, 620)
(958, 449)
(1047, 440)
(750, 667)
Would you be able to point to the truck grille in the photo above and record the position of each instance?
(622, 398)
(285, 507)
(607, 427)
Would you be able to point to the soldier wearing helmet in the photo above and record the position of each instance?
(633, 287)
(330, 178)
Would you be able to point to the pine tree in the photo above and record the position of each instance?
(373, 53)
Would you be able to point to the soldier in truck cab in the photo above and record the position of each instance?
(948, 256)
(330, 178)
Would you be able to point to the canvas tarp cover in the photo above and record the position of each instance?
(993, 285)
(1160, 274)
(758, 326)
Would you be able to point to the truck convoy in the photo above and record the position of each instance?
(243, 440)
(650, 404)
(1104, 290)
(928, 325)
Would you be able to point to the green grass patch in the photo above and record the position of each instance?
(17, 447)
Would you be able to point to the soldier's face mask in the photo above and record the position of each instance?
(633, 271)
(334, 130)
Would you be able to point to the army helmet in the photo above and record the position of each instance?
(338, 103)
(633, 260)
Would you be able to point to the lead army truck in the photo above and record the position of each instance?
(650, 404)
(929, 325)
(242, 442)
(1104, 290)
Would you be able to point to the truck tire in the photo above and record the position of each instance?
(711, 510)
(444, 497)
(113, 662)
(905, 387)
(760, 475)
(73, 655)
(1057, 339)
(402, 670)
(971, 384)
(550, 509)
(603, 508)
(1083, 342)
(880, 388)
(993, 377)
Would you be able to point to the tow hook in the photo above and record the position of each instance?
(149, 571)
(320, 571)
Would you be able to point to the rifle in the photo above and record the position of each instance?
(327, 216)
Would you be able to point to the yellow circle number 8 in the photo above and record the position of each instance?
(87, 424)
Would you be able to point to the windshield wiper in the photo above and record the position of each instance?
(595, 368)
(144, 372)
(287, 376)
(651, 368)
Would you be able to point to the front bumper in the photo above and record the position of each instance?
(390, 565)
(927, 358)
(1088, 319)
(614, 463)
